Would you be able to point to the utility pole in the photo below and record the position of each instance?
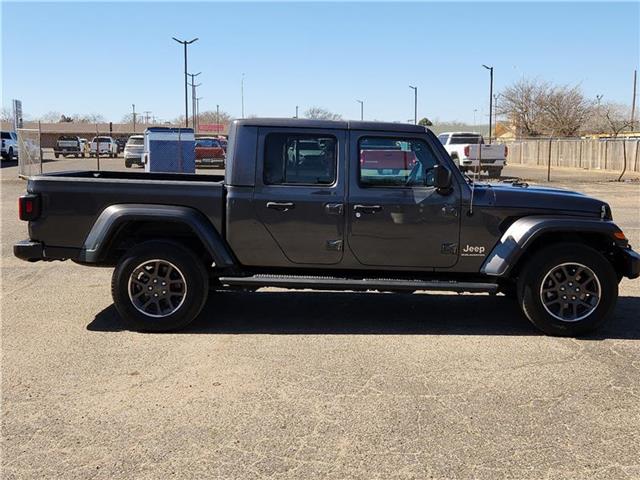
(633, 103)
(490, 98)
(193, 95)
(218, 119)
(296, 112)
(197, 124)
(495, 114)
(242, 94)
(475, 110)
(147, 116)
(415, 104)
(133, 107)
(186, 94)
(361, 102)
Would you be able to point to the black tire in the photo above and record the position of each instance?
(187, 265)
(127, 164)
(10, 153)
(57, 155)
(540, 267)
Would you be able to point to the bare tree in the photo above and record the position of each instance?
(320, 113)
(522, 104)
(565, 110)
(618, 119)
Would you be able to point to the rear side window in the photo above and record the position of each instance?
(465, 139)
(300, 159)
(396, 162)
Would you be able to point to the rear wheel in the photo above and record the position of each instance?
(159, 286)
(568, 290)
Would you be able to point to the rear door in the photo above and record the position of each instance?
(299, 192)
(395, 216)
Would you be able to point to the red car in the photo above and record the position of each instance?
(209, 151)
(394, 160)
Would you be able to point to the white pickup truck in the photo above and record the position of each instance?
(469, 153)
(107, 145)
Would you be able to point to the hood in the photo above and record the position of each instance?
(545, 198)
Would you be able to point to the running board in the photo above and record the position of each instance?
(334, 283)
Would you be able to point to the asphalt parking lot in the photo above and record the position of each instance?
(312, 385)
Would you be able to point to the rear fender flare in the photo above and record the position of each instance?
(524, 231)
(114, 216)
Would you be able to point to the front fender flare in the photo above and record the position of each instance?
(522, 233)
(114, 216)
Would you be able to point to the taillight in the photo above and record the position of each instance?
(29, 207)
(466, 151)
(506, 151)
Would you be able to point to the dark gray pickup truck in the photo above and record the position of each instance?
(333, 206)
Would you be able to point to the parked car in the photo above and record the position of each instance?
(121, 142)
(469, 152)
(134, 150)
(107, 146)
(209, 151)
(386, 154)
(68, 145)
(312, 217)
(9, 145)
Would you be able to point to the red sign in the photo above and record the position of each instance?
(211, 127)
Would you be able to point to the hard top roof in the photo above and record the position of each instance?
(331, 124)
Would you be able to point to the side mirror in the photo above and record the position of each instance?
(442, 178)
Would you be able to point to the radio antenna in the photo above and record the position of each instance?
(476, 175)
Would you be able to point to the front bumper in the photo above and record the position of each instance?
(29, 251)
(630, 263)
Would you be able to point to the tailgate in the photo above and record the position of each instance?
(490, 153)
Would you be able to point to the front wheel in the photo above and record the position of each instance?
(159, 286)
(568, 290)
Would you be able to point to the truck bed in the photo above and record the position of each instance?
(72, 201)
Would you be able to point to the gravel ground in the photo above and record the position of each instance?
(312, 385)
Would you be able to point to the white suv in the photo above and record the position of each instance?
(9, 145)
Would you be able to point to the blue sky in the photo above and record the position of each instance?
(102, 57)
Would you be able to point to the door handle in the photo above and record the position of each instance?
(281, 206)
(334, 208)
(367, 208)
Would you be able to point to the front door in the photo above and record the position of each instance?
(396, 217)
(299, 193)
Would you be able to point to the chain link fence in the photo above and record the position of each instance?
(29, 152)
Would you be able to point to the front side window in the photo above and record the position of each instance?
(396, 162)
(300, 159)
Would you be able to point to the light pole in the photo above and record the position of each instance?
(490, 98)
(475, 110)
(197, 124)
(296, 112)
(193, 95)
(361, 102)
(415, 104)
(242, 93)
(186, 95)
(218, 118)
(133, 108)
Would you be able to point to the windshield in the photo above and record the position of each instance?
(462, 139)
(443, 138)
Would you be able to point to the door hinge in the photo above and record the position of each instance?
(334, 245)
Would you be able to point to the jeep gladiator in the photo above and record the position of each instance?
(298, 208)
